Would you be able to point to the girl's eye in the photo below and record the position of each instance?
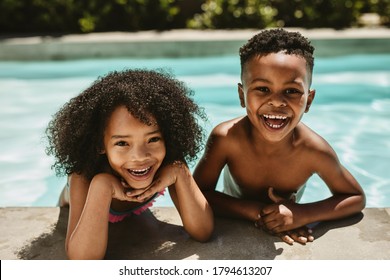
(121, 143)
(154, 139)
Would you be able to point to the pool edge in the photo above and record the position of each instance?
(39, 233)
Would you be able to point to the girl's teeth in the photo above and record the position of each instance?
(139, 172)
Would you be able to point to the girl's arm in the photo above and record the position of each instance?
(194, 210)
(87, 232)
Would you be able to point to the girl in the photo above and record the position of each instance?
(122, 142)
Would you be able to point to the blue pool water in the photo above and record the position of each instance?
(351, 111)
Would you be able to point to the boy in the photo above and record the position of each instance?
(269, 154)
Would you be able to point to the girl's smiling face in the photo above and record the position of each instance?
(135, 150)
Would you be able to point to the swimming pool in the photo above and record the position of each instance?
(350, 111)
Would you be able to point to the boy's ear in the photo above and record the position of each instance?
(310, 98)
(241, 95)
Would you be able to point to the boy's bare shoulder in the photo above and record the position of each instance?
(312, 141)
(226, 128)
(226, 135)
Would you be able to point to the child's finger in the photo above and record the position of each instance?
(297, 237)
(306, 232)
(269, 209)
(259, 222)
(133, 192)
(286, 238)
(274, 197)
(155, 187)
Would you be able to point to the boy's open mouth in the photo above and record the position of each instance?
(140, 172)
(275, 121)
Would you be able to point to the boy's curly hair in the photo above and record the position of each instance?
(277, 40)
(75, 134)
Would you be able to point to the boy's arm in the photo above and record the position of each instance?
(206, 175)
(347, 197)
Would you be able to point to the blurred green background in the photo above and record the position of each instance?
(75, 16)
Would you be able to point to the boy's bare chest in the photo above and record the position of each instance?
(255, 174)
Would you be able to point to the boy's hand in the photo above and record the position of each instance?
(282, 216)
(301, 235)
(277, 218)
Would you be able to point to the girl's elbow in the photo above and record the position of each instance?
(362, 201)
(83, 255)
(203, 236)
(204, 233)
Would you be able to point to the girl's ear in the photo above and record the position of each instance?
(100, 150)
(310, 98)
(241, 95)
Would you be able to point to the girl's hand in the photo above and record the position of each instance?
(166, 176)
(113, 184)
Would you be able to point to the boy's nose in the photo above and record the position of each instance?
(277, 100)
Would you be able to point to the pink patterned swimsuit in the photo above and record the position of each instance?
(115, 216)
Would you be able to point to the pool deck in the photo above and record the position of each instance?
(179, 43)
(39, 233)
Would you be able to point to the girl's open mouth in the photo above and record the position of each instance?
(140, 172)
(275, 121)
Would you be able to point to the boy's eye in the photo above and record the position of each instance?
(154, 139)
(292, 91)
(263, 89)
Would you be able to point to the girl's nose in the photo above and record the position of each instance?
(139, 152)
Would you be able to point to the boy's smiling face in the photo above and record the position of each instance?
(275, 92)
(135, 151)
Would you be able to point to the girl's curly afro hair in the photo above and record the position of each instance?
(75, 134)
(277, 40)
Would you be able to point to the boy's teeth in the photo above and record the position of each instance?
(275, 125)
(278, 117)
(275, 121)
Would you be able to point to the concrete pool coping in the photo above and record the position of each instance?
(179, 43)
(39, 233)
